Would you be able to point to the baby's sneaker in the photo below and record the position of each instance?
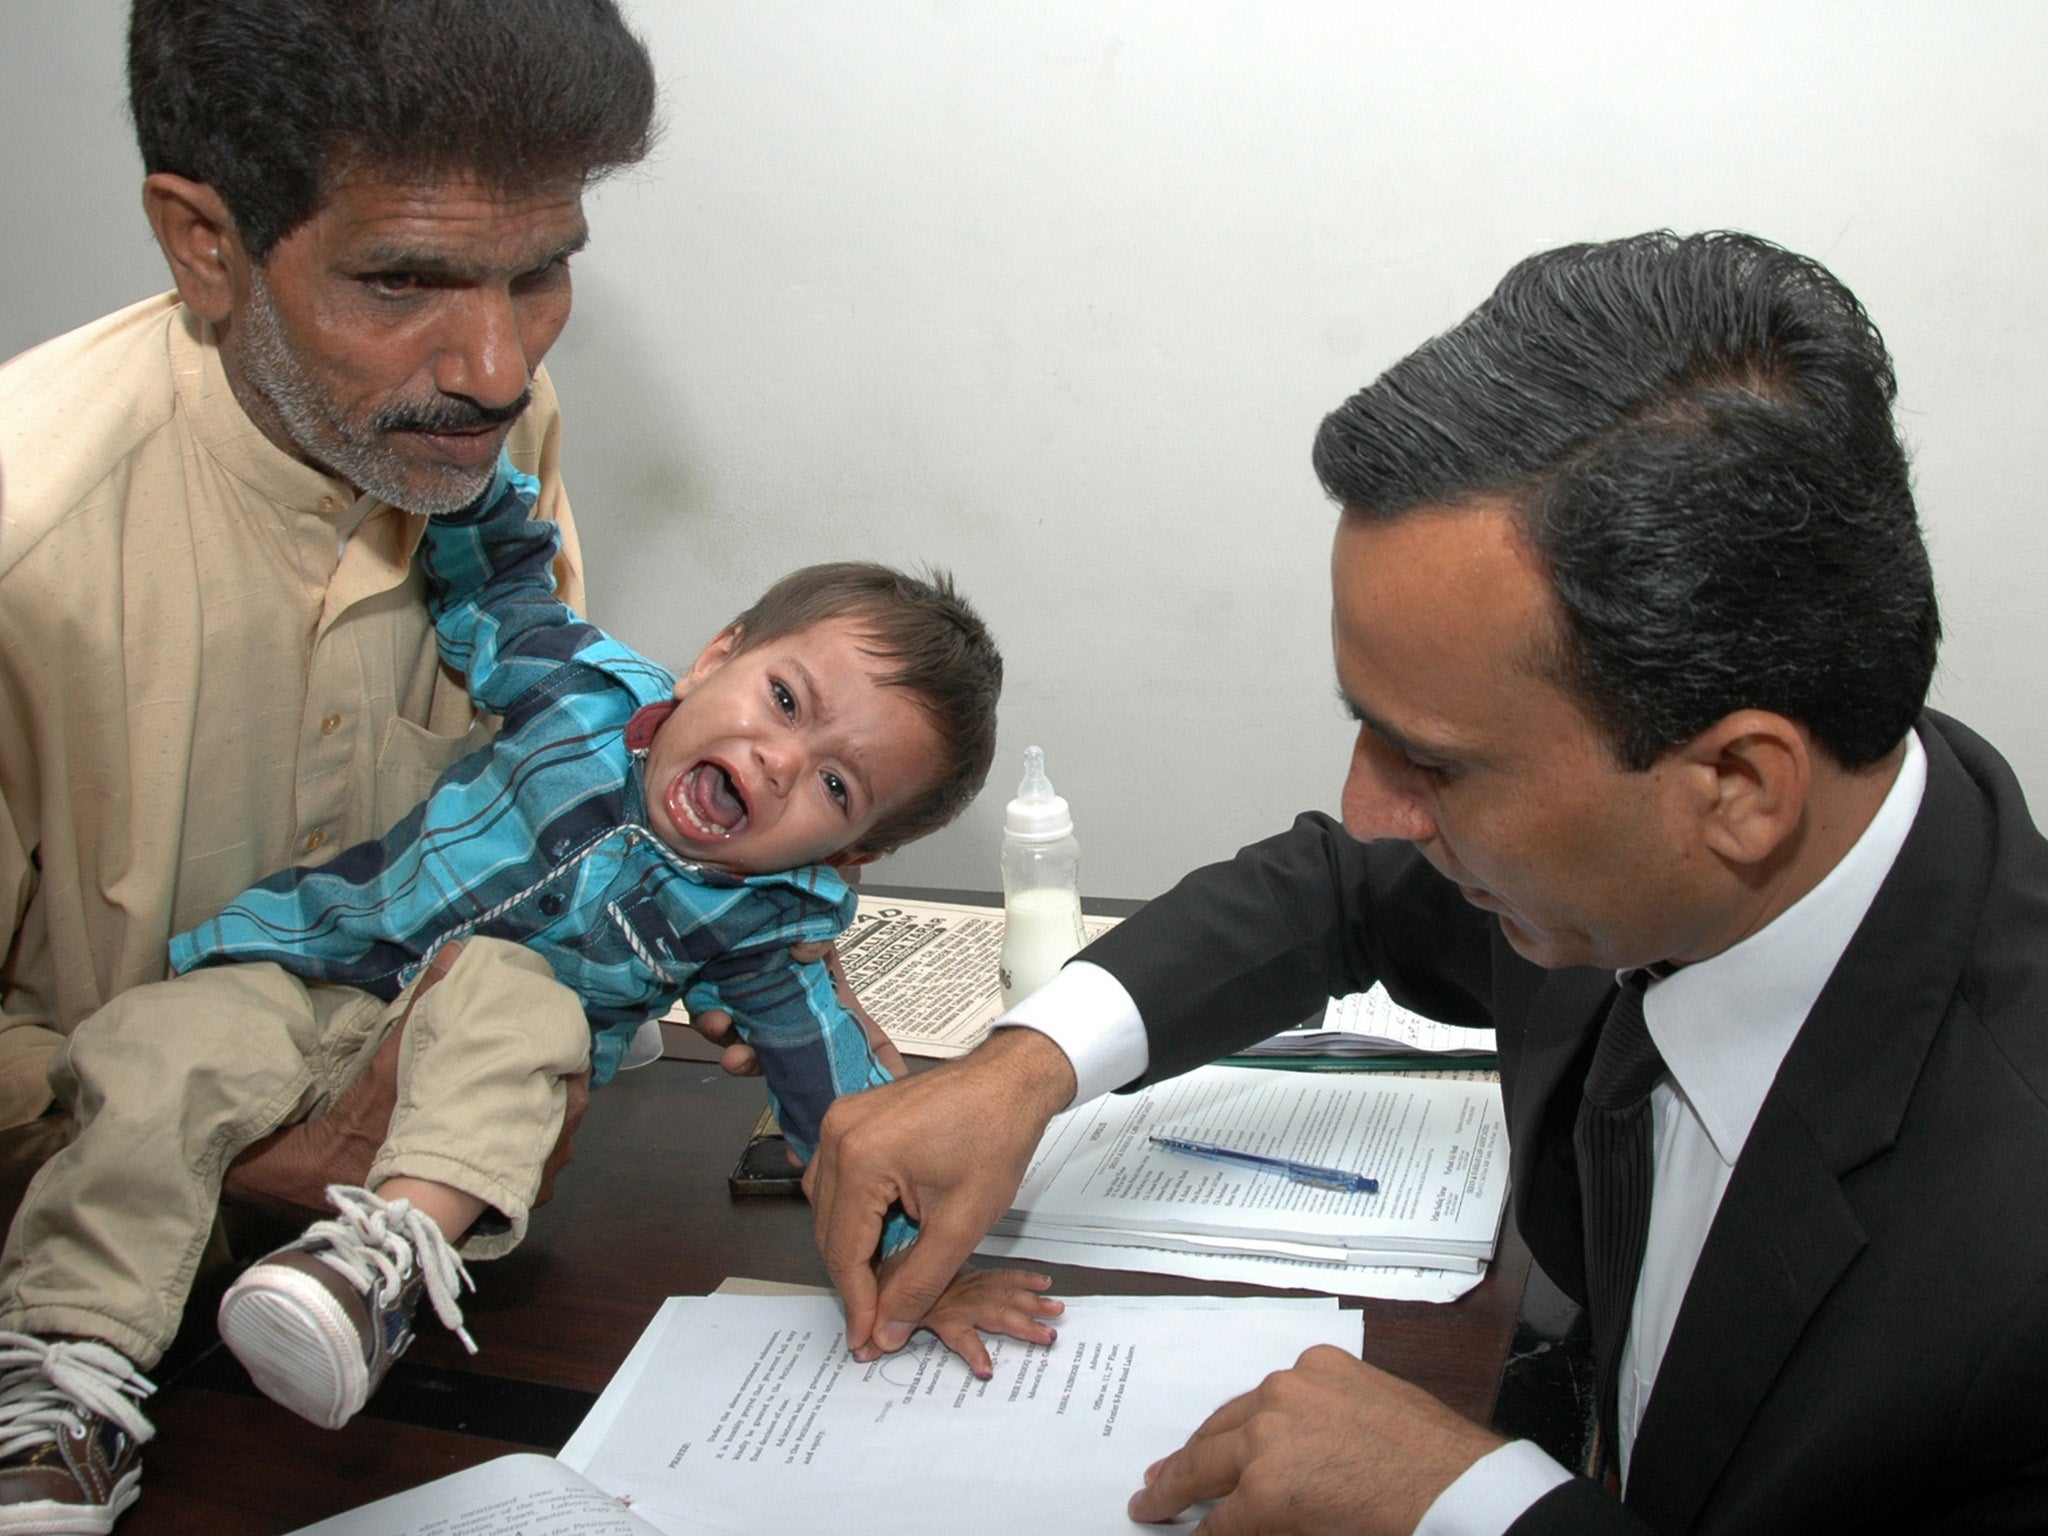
(70, 1435)
(318, 1323)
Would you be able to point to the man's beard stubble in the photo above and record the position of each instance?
(357, 451)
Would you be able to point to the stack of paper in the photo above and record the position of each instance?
(1371, 1023)
(1437, 1148)
(744, 1414)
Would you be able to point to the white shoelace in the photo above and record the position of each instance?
(48, 1385)
(373, 1241)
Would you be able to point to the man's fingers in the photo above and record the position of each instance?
(885, 1051)
(1331, 1444)
(1230, 1415)
(950, 1144)
(293, 1167)
(856, 1287)
(737, 1058)
(928, 1268)
(383, 1067)
(715, 1025)
(847, 1217)
(847, 1237)
(1207, 1467)
(577, 1103)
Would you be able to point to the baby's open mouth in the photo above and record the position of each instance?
(709, 801)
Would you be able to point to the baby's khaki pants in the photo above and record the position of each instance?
(169, 1082)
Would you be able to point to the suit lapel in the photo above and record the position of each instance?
(1787, 1228)
(1556, 1046)
(1782, 1238)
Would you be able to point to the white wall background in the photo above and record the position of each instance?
(1055, 293)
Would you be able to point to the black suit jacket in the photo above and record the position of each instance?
(1864, 1342)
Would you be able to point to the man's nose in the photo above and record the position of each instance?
(483, 355)
(1380, 796)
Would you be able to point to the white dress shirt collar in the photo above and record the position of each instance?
(1724, 1025)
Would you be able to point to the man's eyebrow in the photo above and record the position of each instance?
(428, 263)
(1406, 745)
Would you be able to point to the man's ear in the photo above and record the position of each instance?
(198, 238)
(851, 860)
(1753, 770)
(724, 645)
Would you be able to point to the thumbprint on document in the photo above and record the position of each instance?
(906, 1367)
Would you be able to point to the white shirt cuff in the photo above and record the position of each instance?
(1494, 1492)
(1086, 1012)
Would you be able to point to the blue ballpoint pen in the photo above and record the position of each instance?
(1339, 1179)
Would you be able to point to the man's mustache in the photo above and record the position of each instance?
(450, 415)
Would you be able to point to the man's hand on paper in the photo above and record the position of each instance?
(739, 1059)
(952, 1145)
(1331, 1446)
(1011, 1302)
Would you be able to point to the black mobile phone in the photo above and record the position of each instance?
(764, 1168)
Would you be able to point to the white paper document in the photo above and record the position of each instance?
(529, 1495)
(1383, 1282)
(745, 1414)
(1370, 1023)
(1437, 1148)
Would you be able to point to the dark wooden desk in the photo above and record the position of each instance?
(641, 1214)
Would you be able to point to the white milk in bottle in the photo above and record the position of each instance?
(1041, 884)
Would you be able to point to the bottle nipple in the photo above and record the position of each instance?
(1036, 785)
(1037, 813)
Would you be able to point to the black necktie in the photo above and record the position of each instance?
(1613, 1141)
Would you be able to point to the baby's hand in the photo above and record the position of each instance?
(1006, 1301)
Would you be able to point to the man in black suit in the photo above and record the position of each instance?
(1631, 606)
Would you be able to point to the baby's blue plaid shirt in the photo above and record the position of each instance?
(542, 838)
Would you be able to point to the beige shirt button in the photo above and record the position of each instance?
(329, 504)
(330, 725)
(313, 843)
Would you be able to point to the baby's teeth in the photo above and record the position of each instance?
(690, 810)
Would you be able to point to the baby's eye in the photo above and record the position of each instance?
(835, 786)
(784, 699)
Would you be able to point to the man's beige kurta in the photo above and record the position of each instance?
(214, 661)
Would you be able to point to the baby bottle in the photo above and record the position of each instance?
(1041, 884)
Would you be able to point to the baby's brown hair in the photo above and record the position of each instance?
(942, 652)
